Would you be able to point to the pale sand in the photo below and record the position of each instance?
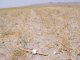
(52, 30)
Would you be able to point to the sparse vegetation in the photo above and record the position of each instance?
(47, 28)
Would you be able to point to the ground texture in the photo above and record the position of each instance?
(52, 30)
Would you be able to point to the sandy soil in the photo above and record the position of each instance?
(52, 30)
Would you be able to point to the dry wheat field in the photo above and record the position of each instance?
(54, 31)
